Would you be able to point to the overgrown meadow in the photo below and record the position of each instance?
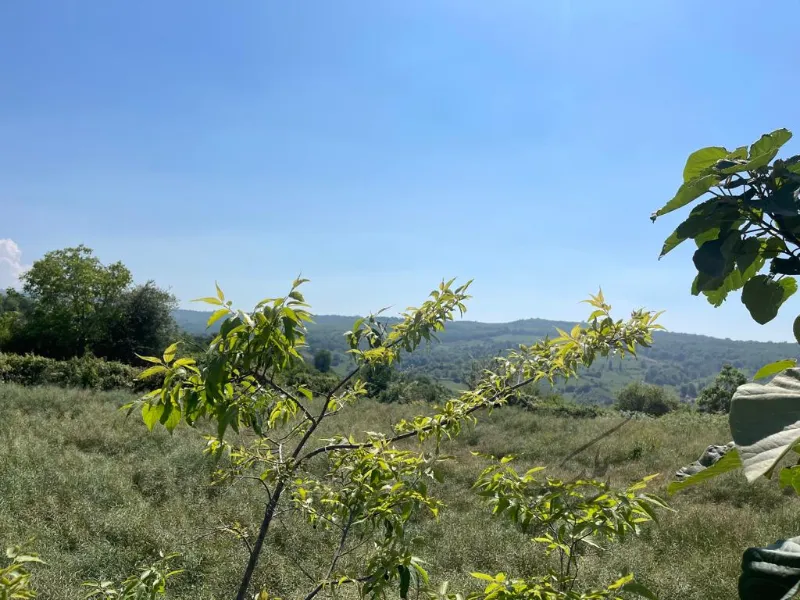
(102, 495)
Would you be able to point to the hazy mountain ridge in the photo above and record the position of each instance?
(683, 361)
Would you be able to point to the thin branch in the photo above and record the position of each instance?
(592, 442)
(269, 382)
(491, 402)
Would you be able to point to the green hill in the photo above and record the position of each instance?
(683, 361)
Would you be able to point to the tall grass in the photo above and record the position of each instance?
(101, 494)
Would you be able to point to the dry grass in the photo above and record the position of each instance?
(100, 494)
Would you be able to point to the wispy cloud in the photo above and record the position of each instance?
(11, 266)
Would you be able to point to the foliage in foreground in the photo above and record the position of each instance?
(751, 218)
(365, 490)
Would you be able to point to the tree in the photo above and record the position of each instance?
(322, 361)
(716, 398)
(75, 299)
(144, 324)
(73, 304)
(646, 398)
(367, 489)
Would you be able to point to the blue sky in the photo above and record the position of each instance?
(378, 147)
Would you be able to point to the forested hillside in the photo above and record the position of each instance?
(683, 361)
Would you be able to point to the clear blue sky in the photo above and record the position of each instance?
(377, 147)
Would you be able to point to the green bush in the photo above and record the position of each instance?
(646, 398)
(84, 372)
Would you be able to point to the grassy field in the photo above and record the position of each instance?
(100, 493)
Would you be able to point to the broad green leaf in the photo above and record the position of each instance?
(689, 191)
(216, 316)
(765, 422)
(767, 146)
(748, 263)
(701, 160)
(170, 352)
(764, 296)
(709, 258)
(729, 462)
(796, 328)
(151, 413)
(775, 367)
(170, 417)
(152, 371)
(711, 215)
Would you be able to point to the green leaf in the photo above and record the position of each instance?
(216, 316)
(764, 296)
(405, 580)
(151, 359)
(729, 462)
(152, 371)
(709, 258)
(796, 328)
(634, 587)
(766, 148)
(702, 160)
(220, 295)
(151, 413)
(712, 214)
(170, 352)
(765, 422)
(775, 367)
(209, 300)
(689, 191)
(790, 477)
(170, 417)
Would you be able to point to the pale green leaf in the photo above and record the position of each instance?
(220, 295)
(209, 300)
(170, 352)
(151, 413)
(216, 316)
(765, 422)
(151, 359)
(775, 367)
(152, 371)
(729, 462)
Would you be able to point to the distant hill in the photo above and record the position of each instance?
(683, 361)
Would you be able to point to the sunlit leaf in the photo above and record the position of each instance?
(729, 462)
(775, 367)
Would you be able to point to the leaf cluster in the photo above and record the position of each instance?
(750, 217)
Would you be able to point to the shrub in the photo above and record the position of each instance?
(646, 398)
(84, 372)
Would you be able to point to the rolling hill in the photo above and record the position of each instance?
(683, 361)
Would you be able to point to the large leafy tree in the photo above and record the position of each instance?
(76, 304)
(75, 298)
